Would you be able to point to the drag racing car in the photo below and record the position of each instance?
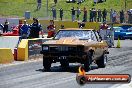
(122, 34)
(75, 45)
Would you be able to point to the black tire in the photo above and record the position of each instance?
(88, 62)
(102, 61)
(46, 64)
(64, 63)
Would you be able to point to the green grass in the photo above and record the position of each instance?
(16, 8)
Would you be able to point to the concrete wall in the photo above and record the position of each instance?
(6, 55)
(22, 51)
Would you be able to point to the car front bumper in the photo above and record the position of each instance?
(70, 56)
(64, 53)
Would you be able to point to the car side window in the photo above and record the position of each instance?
(117, 29)
(93, 36)
(97, 36)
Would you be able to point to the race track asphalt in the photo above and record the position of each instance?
(30, 75)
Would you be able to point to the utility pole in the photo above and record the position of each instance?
(47, 8)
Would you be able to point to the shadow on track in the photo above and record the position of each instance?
(71, 68)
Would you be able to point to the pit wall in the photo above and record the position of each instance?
(22, 50)
(6, 55)
(27, 49)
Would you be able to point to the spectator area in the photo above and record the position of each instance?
(73, 1)
(31, 5)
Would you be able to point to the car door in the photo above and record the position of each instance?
(98, 51)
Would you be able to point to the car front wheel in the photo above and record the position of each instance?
(102, 61)
(88, 62)
(46, 64)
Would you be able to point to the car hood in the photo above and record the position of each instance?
(70, 41)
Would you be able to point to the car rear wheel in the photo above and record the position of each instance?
(102, 61)
(46, 64)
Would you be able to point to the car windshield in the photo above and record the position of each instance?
(80, 34)
(118, 29)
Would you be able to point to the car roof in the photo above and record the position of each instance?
(118, 28)
(75, 29)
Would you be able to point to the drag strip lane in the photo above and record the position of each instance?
(28, 75)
